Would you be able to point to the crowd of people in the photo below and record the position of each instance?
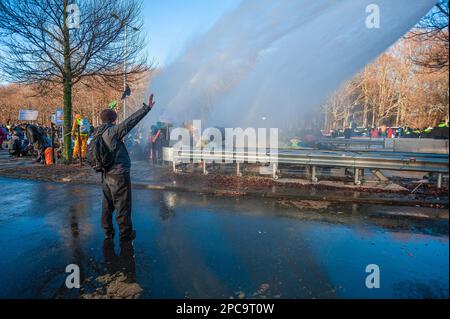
(310, 137)
(34, 140)
(440, 131)
(147, 144)
(27, 140)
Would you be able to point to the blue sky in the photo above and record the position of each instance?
(170, 24)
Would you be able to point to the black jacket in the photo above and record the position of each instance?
(113, 138)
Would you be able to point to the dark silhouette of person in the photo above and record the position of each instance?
(124, 262)
(116, 180)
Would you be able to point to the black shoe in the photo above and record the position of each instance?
(129, 237)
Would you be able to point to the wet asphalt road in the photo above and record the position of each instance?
(193, 246)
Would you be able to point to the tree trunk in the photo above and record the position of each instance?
(366, 110)
(399, 114)
(67, 140)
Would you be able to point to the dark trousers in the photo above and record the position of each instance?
(124, 262)
(155, 150)
(117, 196)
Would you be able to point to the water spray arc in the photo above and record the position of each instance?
(269, 62)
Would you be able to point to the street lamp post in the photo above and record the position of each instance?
(125, 69)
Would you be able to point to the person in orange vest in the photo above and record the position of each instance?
(383, 130)
(390, 133)
(83, 124)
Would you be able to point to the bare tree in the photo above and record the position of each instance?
(88, 99)
(57, 43)
(433, 32)
(340, 106)
(392, 91)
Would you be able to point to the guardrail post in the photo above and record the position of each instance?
(314, 178)
(357, 180)
(439, 181)
(274, 170)
(205, 172)
(174, 166)
(238, 169)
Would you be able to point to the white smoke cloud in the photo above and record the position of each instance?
(268, 62)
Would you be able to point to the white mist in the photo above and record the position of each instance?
(269, 62)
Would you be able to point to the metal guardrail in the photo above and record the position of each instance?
(435, 163)
(377, 152)
(367, 143)
(353, 141)
(407, 154)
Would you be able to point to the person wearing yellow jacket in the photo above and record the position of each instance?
(83, 124)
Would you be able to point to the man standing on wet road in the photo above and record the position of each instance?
(116, 180)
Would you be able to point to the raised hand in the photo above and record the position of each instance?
(151, 103)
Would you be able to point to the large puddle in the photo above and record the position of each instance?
(193, 246)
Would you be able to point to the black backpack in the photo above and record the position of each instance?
(98, 155)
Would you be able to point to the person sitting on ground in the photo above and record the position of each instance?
(27, 149)
(14, 145)
(38, 140)
(19, 129)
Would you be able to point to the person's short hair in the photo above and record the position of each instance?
(108, 116)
